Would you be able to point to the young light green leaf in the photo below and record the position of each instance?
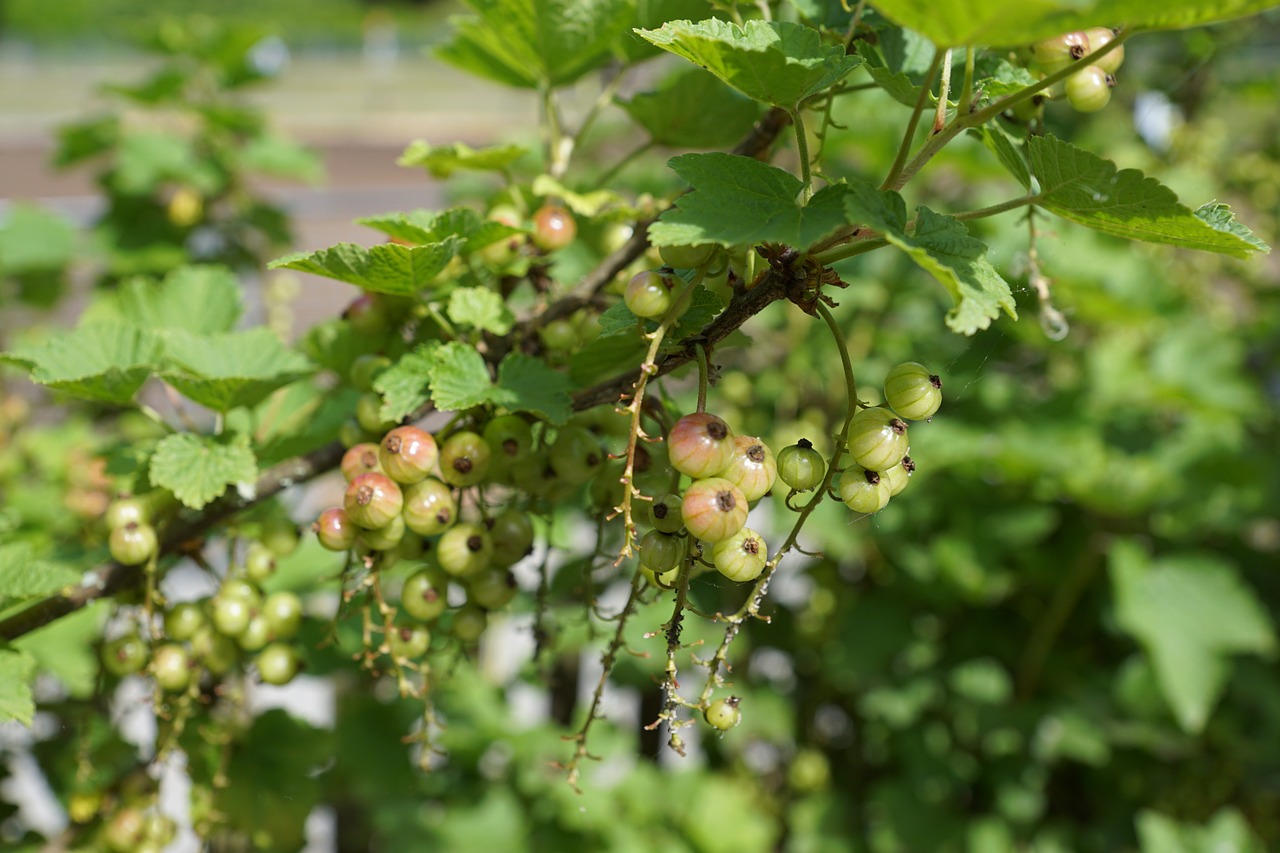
(480, 308)
(1081, 187)
(459, 378)
(738, 200)
(198, 468)
(388, 268)
(23, 575)
(192, 298)
(777, 62)
(1190, 613)
(950, 23)
(692, 110)
(17, 671)
(592, 203)
(532, 43)
(105, 362)
(429, 226)
(230, 369)
(443, 160)
(404, 385)
(527, 384)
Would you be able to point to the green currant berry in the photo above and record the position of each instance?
(1052, 54)
(464, 459)
(351, 433)
(469, 622)
(751, 468)
(510, 438)
(184, 621)
(559, 335)
(259, 562)
(362, 458)
(368, 415)
(126, 830)
(1089, 90)
(384, 538)
(700, 445)
(687, 257)
(242, 590)
(279, 535)
(576, 455)
(372, 500)
(368, 315)
(742, 556)
(407, 454)
(648, 294)
(125, 655)
(661, 552)
(365, 369)
(553, 227)
(664, 580)
(408, 642)
(335, 530)
(422, 596)
(125, 511)
(899, 475)
(606, 488)
(912, 391)
(465, 549)
(877, 439)
(283, 614)
(809, 771)
(723, 714)
(512, 534)
(533, 475)
(133, 544)
(1100, 37)
(217, 652)
(171, 667)
(492, 589)
(278, 663)
(160, 829)
(713, 509)
(862, 490)
(231, 615)
(665, 514)
(502, 252)
(429, 507)
(801, 467)
(255, 635)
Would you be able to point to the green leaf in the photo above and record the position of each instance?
(231, 369)
(737, 200)
(692, 110)
(527, 384)
(942, 246)
(388, 268)
(17, 671)
(532, 43)
(429, 226)
(146, 159)
(1008, 150)
(198, 468)
(779, 63)
(443, 160)
(1190, 613)
(1219, 217)
(335, 345)
(33, 239)
(1081, 187)
(404, 385)
(480, 308)
(459, 378)
(23, 575)
(607, 355)
(80, 141)
(950, 23)
(65, 648)
(105, 362)
(192, 298)
(281, 158)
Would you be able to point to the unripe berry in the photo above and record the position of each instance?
(492, 589)
(862, 490)
(661, 552)
(278, 663)
(283, 614)
(409, 642)
(372, 500)
(422, 598)
(231, 615)
(123, 511)
(407, 454)
(648, 294)
(133, 544)
(1052, 54)
(713, 509)
(464, 459)
(365, 370)
(255, 635)
(171, 667)
(368, 315)
(751, 467)
(1089, 90)
(741, 557)
(576, 455)
(469, 622)
(184, 621)
(1100, 37)
(429, 507)
(369, 414)
(801, 466)
(912, 391)
(877, 439)
(665, 514)
(899, 475)
(465, 549)
(335, 530)
(386, 537)
(362, 458)
(723, 714)
(687, 257)
(512, 536)
(700, 445)
(259, 563)
(553, 227)
(510, 438)
(125, 655)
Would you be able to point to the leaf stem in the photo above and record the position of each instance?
(703, 370)
(849, 250)
(904, 150)
(944, 88)
(995, 209)
(802, 149)
(966, 91)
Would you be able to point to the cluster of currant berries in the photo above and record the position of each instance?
(1089, 89)
(137, 826)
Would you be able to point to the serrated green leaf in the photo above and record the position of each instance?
(428, 226)
(17, 670)
(443, 160)
(231, 369)
(532, 43)
(106, 362)
(526, 384)
(704, 306)
(692, 110)
(897, 84)
(1190, 613)
(192, 298)
(1219, 217)
(776, 62)
(480, 308)
(388, 268)
(33, 239)
(739, 200)
(404, 385)
(198, 468)
(459, 378)
(951, 23)
(1084, 188)
(23, 575)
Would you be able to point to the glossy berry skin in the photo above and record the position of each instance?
(125, 655)
(1100, 37)
(407, 454)
(912, 391)
(1089, 90)
(512, 535)
(365, 369)
(259, 563)
(662, 580)
(231, 615)
(469, 622)
(372, 500)
(429, 507)
(464, 459)
(184, 621)
(577, 454)
(171, 667)
(408, 642)
(335, 530)
(553, 227)
(255, 635)
(283, 614)
(1052, 54)
(133, 544)
(123, 511)
(510, 438)
(648, 294)
(700, 445)
(278, 663)
(752, 467)
(741, 557)
(368, 414)
(687, 257)
(217, 653)
(877, 439)
(723, 714)
(899, 475)
(713, 509)
(862, 490)
(492, 589)
(362, 458)
(665, 514)
(421, 598)
(661, 552)
(801, 466)
(465, 549)
(386, 537)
